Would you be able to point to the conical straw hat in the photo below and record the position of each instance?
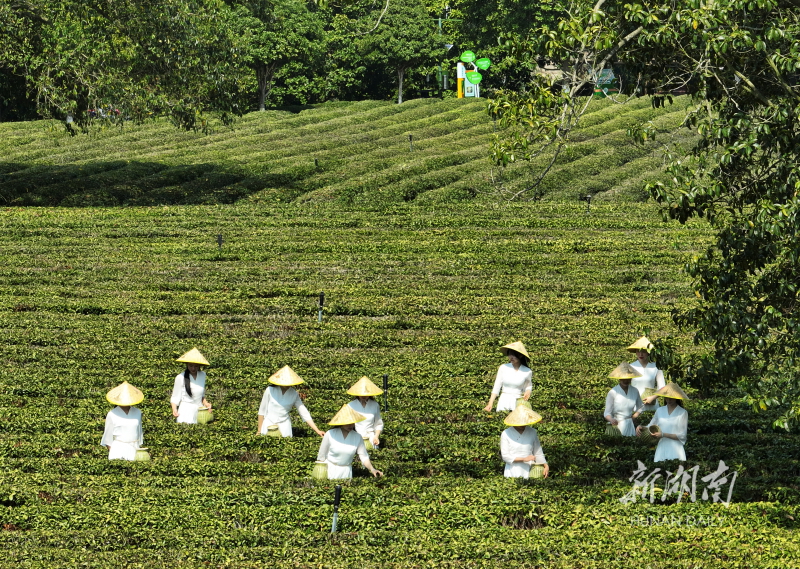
(193, 356)
(346, 416)
(124, 394)
(624, 371)
(517, 347)
(522, 416)
(672, 390)
(641, 344)
(285, 377)
(364, 388)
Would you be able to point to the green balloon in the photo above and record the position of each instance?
(483, 63)
(474, 77)
(467, 57)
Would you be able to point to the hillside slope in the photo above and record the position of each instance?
(350, 152)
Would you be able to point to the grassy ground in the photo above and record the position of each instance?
(94, 296)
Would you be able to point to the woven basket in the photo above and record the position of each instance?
(273, 431)
(537, 471)
(204, 416)
(653, 429)
(142, 455)
(368, 443)
(612, 431)
(320, 470)
(646, 438)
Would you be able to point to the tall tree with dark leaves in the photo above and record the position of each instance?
(400, 36)
(278, 32)
(167, 57)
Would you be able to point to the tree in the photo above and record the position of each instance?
(494, 28)
(740, 60)
(277, 32)
(538, 120)
(404, 38)
(147, 57)
(15, 104)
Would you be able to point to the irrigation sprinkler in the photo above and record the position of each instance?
(588, 202)
(219, 240)
(321, 306)
(411, 142)
(316, 162)
(337, 496)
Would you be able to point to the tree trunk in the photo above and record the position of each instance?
(400, 73)
(261, 77)
(264, 74)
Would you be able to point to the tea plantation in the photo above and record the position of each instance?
(92, 297)
(425, 292)
(367, 152)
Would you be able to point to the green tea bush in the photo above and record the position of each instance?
(343, 152)
(94, 296)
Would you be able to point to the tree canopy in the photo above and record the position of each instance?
(144, 57)
(740, 61)
(276, 33)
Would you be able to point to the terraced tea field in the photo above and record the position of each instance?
(93, 296)
(362, 153)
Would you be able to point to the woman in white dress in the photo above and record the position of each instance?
(651, 376)
(623, 403)
(189, 389)
(513, 379)
(519, 444)
(340, 446)
(371, 427)
(278, 400)
(123, 433)
(673, 423)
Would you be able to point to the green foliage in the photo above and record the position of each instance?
(743, 178)
(740, 61)
(346, 152)
(427, 295)
(494, 29)
(144, 58)
(403, 38)
(275, 34)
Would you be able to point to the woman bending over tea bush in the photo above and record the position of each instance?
(278, 400)
(340, 446)
(520, 447)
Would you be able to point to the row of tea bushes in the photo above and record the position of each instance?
(356, 153)
(94, 296)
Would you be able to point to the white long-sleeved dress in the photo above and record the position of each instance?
(511, 384)
(275, 407)
(188, 405)
(338, 452)
(514, 444)
(373, 422)
(123, 433)
(676, 423)
(621, 406)
(651, 377)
